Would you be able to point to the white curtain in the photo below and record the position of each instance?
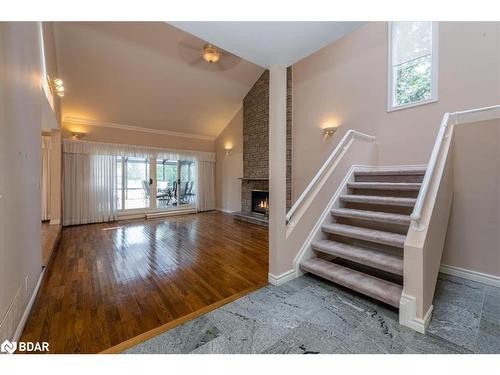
(89, 188)
(90, 178)
(46, 146)
(206, 186)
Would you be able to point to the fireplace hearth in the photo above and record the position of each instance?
(260, 202)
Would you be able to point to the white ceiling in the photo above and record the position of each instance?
(148, 74)
(269, 43)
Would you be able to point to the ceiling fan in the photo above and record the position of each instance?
(207, 56)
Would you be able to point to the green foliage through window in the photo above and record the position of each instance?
(413, 81)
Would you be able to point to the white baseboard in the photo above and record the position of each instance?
(225, 210)
(479, 277)
(55, 221)
(20, 327)
(155, 215)
(283, 278)
(408, 314)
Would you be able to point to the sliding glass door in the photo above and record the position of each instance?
(133, 183)
(151, 185)
(175, 184)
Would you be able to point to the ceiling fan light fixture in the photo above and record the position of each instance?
(211, 54)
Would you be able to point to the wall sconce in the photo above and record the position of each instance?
(57, 86)
(77, 135)
(228, 151)
(329, 131)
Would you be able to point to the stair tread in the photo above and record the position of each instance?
(374, 287)
(369, 257)
(366, 234)
(415, 171)
(374, 199)
(379, 216)
(408, 186)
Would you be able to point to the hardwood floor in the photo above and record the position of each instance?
(111, 282)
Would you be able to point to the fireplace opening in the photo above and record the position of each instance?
(260, 201)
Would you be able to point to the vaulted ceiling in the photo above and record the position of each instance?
(148, 74)
(270, 43)
(151, 75)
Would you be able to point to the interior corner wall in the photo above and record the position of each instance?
(345, 84)
(229, 167)
(20, 168)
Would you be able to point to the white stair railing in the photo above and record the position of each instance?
(429, 174)
(334, 156)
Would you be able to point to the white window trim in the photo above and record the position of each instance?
(434, 72)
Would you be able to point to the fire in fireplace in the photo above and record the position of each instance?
(260, 201)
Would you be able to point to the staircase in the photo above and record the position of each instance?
(362, 243)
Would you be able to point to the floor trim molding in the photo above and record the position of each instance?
(479, 277)
(20, 327)
(408, 314)
(224, 210)
(174, 323)
(283, 278)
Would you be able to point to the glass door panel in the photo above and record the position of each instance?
(166, 184)
(187, 186)
(136, 183)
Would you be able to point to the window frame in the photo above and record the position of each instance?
(434, 72)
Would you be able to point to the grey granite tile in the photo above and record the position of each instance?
(460, 292)
(293, 310)
(310, 315)
(307, 338)
(430, 344)
(457, 324)
(245, 335)
(491, 306)
(341, 320)
(488, 343)
(219, 345)
(300, 283)
(182, 339)
(359, 343)
(380, 333)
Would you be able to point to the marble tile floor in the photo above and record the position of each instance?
(308, 315)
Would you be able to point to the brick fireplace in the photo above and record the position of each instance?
(256, 147)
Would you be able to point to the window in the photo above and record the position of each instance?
(412, 64)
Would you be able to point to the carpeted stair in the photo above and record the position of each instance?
(363, 245)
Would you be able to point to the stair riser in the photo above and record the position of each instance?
(367, 244)
(379, 240)
(402, 210)
(375, 217)
(386, 227)
(385, 193)
(412, 178)
(389, 276)
(357, 284)
(367, 261)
